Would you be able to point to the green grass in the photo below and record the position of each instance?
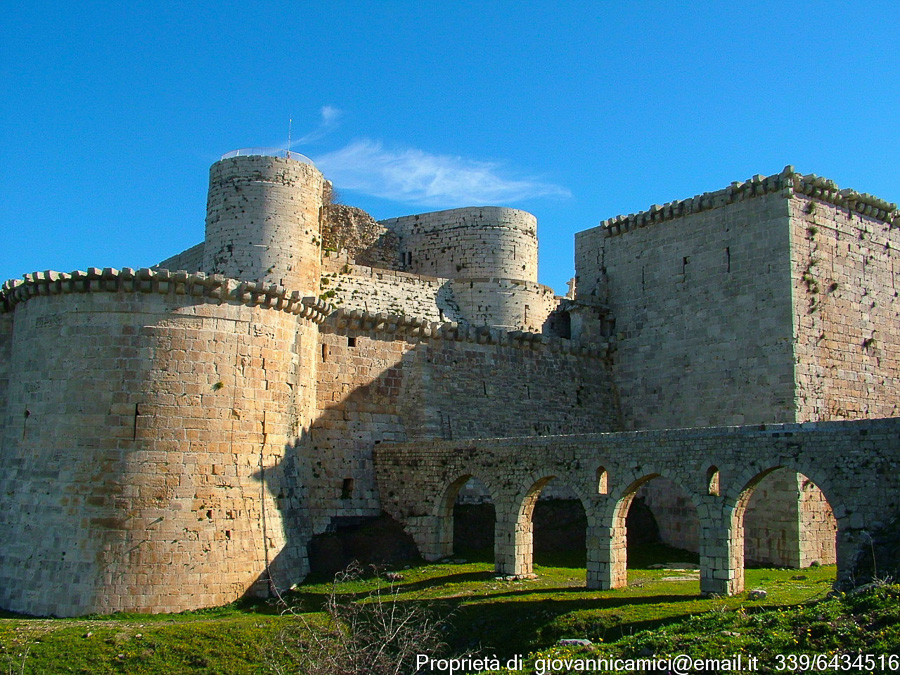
(490, 615)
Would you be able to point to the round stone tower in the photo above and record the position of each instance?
(262, 221)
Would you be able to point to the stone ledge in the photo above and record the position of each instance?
(405, 326)
(788, 182)
(162, 282)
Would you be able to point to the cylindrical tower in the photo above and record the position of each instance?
(262, 221)
(148, 463)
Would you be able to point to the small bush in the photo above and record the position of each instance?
(376, 634)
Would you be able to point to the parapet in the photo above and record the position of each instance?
(145, 280)
(412, 328)
(788, 182)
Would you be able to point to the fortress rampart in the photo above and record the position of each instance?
(145, 408)
(173, 440)
(751, 298)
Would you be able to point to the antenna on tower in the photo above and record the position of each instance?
(290, 124)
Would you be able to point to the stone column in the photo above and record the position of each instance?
(721, 551)
(512, 542)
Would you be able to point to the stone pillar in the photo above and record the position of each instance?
(512, 543)
(721, 552)
(433, 536)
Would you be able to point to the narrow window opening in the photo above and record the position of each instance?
(351, 341)
(324, 353)
(728, 258)
(602, 481)
(347, 488)
(712, 480)
(484, 386)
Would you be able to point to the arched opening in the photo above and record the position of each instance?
(712, 481)
(560, 527)
(781, 519)
(788, 522)
(514, 552)
(655, 526)
(663, 523)
(474, 517)
(602, 481)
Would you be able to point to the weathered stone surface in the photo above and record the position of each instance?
(171, 438)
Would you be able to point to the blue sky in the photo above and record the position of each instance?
(112, 112)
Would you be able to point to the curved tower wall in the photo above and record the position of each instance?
(504, 303)
(147, 458)
(473, 242)
(263, 221)
(490, 255)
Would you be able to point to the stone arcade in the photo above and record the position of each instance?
(173, 439)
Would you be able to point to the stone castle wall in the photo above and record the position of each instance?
(505, 303)
(371, 289)
(384, 382)
(844, 267)
(190, 260)
(701, 298)
(485, 241)
(6, 333)
(146, 409)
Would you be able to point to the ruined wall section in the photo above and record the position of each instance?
(147, 460)
(845, 261)
(700, 293)
(392, 379)
(351, 231)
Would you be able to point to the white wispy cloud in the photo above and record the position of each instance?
(330, 118)
(415, 176)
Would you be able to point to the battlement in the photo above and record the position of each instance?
(162, 282)
(788, 182)
(403, 327)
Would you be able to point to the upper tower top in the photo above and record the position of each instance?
(263, 220)
(473, 242)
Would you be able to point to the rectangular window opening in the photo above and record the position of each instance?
(347, 488)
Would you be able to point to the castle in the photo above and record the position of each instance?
(173, 437)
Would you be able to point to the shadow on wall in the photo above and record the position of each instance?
(372, 389)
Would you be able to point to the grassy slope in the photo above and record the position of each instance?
(495, 616)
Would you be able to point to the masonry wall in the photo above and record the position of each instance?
(371, 289)
(190, 260)
(262, 221)
(504, 303)
(6, 332)
(485, 241)
(701, 298)
(146, 460)
(844, 267)
(377, 386)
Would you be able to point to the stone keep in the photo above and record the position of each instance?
(173, 437)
